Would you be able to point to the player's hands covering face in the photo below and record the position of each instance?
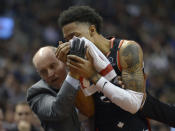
(75, 61)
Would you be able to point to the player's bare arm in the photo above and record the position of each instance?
(85, 104)
(131, 61)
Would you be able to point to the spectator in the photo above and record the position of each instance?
(23, 118)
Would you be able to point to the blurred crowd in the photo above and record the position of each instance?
(26, 25)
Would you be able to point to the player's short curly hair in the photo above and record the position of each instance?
(81, 14)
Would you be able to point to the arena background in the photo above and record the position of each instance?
(26, 25)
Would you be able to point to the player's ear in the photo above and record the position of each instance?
(92, 30)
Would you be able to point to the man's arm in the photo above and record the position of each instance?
(128, 100)
(131, 61)
(85, 104)
(49, 107)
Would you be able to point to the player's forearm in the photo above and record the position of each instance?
(126, 99)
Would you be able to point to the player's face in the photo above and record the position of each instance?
(51, 70)
(76, 29)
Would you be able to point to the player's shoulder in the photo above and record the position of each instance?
(130, 53)
(129, 44)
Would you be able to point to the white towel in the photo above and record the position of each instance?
(101, 64)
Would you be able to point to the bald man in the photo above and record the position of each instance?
(52, 98)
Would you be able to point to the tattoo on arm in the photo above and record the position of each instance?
(132, 74)
(133, 81)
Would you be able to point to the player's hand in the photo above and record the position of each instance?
(62, 51)
(81, 66)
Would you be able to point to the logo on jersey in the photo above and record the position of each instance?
(120, 124)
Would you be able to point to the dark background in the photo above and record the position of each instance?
(30, 24)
